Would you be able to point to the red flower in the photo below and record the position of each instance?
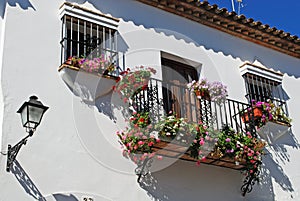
(144, 87)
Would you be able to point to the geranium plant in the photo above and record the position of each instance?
(279, 115)
(140, 119)
(133, 81)
(99, 65)
(171, 127)
(262, 112)
(259, 112)
(241, 148)
(214, 91)
(137, 140)
(203, 143)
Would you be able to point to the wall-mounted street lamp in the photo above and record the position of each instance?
(31, 115)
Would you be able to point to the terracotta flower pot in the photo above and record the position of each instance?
(256, 112)
(203, 94)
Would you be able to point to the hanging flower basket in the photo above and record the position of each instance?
(131, 82)
(212, 91)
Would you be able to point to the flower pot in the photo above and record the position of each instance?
(255, 112)
(68, 61)
(202, 94)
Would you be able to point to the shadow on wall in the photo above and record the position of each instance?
(271, 168)
(110, 103)
(26, 182)
(61, 197)
(24, 4)
(278, 147)
(161, 185)
(280, 153)
(200, 35)
(206, 182)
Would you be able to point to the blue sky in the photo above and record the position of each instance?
(284, 15)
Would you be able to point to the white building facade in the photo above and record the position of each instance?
(75, 153)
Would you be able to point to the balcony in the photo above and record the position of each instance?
(170, 121)
(197, 120)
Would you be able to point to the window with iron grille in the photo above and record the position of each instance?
(87, 34)
(262, 89)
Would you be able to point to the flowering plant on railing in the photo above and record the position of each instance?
(242, 147)
(214, 91)
(140, 119)
(171, 127)
(137, 140)
(259, 112)
(279, 115)
(203, 143)
(239, 147)
(99, 65)
(133, 81)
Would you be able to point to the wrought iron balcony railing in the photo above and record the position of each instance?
(162, 97)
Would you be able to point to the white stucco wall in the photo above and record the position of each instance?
(75, 152)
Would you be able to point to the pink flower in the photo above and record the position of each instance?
(140, 142)
(228, 140)
(151, 155)
(159, 157)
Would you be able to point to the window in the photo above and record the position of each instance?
(87, 34)
(261, 89)
(263, 84)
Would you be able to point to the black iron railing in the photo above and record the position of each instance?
(160, 98)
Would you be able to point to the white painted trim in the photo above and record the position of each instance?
(196, 65)
(260, 71)
(105, 21)
(2, 37)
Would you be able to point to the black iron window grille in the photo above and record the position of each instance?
(82, 38)
(263, 89)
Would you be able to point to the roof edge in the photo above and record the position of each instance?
(231, 23)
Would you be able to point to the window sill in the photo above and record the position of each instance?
(272, 131)
(88, 86)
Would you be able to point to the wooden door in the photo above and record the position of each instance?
(176, 97)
